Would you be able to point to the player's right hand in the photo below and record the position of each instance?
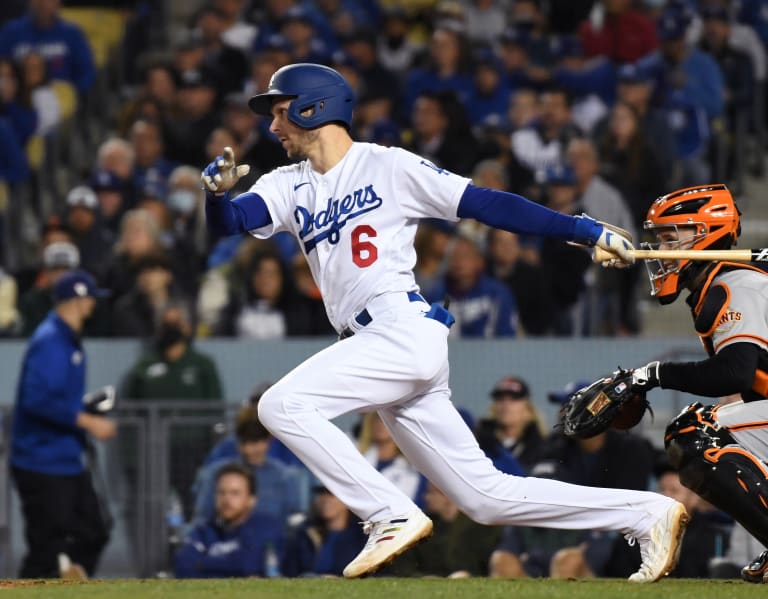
(98, 427)
(222, 174)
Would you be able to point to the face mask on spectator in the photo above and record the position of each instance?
(182, 201)
(168, 335)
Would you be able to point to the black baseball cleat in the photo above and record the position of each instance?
(757, 569)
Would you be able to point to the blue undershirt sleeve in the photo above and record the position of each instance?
(514, 213)
(246, 212)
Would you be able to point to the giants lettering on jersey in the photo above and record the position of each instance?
(727, 320)
(329, 221)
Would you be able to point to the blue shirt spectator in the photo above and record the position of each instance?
(226, 449)
(483, 306)
(283, 490)
(238, 541)
(676, 66)
(66, 49)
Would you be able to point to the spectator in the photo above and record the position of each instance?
(516, 262)
(16, 104)
(238, 32)
(515, 59)
(395, 49)
(53, 100)
(238, 541)
(460, 547)
(433, 241)
(197, 117)
(376, 80)
(310, 303)
(256, 146)
(523, 108)
(542, 144)
(379, 448)
(635, 88)
(93, 241)
(51, 428)
(740, 84)
(150, 165)
(228, 446)
(485, 19)
(326, 542)
(156, 98)
(512, 436)
(62, 43)
(227, 64)
(614, 305)
(186, 205)
(483, 307)
(300, 29)
(173, 370)
(617, 30)
(680, 69)
(447, 69)
(590, 82)
(36, 303)
(441, 132)
(268, 307)
(139, 237)
(283, 490)
(139, 312)
(113, 181)
(490, 92)
(564, 265)
(629, 162)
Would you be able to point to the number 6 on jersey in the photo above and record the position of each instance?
(364, 253)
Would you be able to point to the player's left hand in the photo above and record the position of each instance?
(646, 377)
(222, 174)
(619, 243)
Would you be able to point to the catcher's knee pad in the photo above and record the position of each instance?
(718, 469)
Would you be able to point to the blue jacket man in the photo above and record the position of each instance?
(236, 541)
(50, 425)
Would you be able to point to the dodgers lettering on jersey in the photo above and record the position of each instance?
(357, 222)
(327, 224)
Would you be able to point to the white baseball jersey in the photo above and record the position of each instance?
(357, 222)
(746, 316)
(745, 319)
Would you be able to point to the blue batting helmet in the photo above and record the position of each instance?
(313, 86)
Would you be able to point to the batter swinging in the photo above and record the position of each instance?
(354, 208)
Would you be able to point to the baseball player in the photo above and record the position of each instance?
(354, 208)
(720, 450)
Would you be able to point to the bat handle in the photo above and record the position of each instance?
(600, 255)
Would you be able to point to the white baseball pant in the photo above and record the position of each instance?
(398, 365)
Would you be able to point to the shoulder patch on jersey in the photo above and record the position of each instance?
(713, 309)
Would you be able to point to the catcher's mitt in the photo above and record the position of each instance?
(608, 402)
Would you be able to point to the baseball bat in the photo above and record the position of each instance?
(753, 255)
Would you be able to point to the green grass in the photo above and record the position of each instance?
(381, 588)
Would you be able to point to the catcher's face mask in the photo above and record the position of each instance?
(664, 274)
(692, 218)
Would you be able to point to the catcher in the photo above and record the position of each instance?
(719, 450)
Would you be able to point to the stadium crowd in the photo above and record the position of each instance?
(107, 116)
(595, 106)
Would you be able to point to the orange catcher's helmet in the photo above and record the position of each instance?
(697, 218)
